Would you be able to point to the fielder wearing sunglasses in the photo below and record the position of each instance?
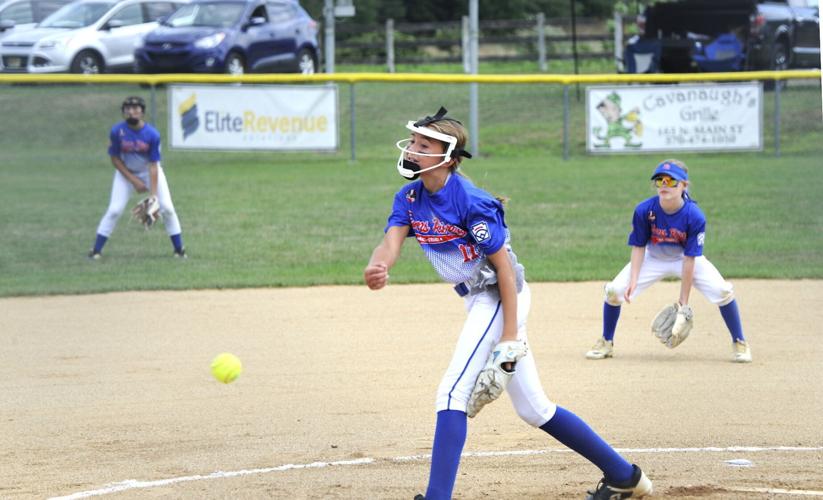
(667, 238)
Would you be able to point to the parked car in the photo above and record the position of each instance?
(87, 36)
(232, 36)
(709, 35)
(22, 15)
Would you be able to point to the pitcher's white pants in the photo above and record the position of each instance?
(121, 191)
(481, 332)
(707, 279)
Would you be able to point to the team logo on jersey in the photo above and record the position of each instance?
(411, 196)
(481, 232)
(700, 239)
(651, 216)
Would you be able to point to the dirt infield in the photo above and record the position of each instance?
(337, 395)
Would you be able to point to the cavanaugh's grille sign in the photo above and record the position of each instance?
(642, 118)
(255, 117)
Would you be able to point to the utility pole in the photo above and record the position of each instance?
(328, 31)
(474, 29)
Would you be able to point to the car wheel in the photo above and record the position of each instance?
(87, 62)
(306, 63)
(235, 64)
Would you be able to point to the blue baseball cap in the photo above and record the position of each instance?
(672, 170)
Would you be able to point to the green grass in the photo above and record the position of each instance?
(284, 219)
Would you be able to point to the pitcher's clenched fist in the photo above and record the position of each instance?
(376, 275)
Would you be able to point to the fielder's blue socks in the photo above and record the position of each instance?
(177, 241)
(449, 438)
(98, 244)
(610, 316)
(573, 432)
(731, 315)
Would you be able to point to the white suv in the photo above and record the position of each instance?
(20, 15)
(87, 36)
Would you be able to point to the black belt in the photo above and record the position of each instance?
(461, 289)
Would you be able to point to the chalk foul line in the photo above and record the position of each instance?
(130, 484)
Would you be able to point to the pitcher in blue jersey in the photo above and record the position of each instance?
(667, 238)
(134, 149)
(463, 232)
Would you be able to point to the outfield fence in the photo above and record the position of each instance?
(783, 82)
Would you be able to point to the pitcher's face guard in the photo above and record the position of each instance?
(410, 169)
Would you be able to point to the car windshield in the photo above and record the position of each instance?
(214, 14)
(76, 15)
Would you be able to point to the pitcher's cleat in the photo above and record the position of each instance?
(742, 352)
(637, 487)
(602, 349)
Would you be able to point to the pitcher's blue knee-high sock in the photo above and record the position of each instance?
(449, 438)
(610, 316)
(99, 242)
(731, 315)
(573, 432)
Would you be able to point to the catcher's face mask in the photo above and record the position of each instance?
(409, 168)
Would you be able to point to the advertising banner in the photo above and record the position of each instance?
(686, 117)
(268, 117)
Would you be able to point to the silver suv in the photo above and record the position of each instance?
(20, 15)
(87, 36)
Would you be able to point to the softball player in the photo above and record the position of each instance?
(462, 231)
(134, 147)
(668, 232)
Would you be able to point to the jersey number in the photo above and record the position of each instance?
(469, 253)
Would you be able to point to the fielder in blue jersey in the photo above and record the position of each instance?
(463, 232)
(134, 148)
(667, 239)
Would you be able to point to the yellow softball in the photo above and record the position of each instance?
(226, 367)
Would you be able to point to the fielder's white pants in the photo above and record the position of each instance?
(121, 191)
(481, 332)
(707, 279)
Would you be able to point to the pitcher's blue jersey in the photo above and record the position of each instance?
(137, 148)
(456, 226)
(668, 236)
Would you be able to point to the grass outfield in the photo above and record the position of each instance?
(282, 219)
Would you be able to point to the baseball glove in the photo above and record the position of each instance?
(494, 378)
(147, 212)
(673, 324)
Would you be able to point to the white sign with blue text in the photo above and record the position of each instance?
(253, 117)
(686, 117)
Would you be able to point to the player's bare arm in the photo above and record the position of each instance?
(638, 254)
(686, 279)
(376, 274)
(121, 167)
(508, 292)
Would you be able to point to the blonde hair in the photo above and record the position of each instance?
(455, 129)
(677, 162)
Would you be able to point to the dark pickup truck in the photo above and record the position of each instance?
(686, 36)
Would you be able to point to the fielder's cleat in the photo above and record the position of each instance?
(95, 255)
(637, 487)
(742, 352)
(180, 254)
(602, 349)
(419, 497)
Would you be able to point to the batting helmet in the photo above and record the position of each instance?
(133, 101)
